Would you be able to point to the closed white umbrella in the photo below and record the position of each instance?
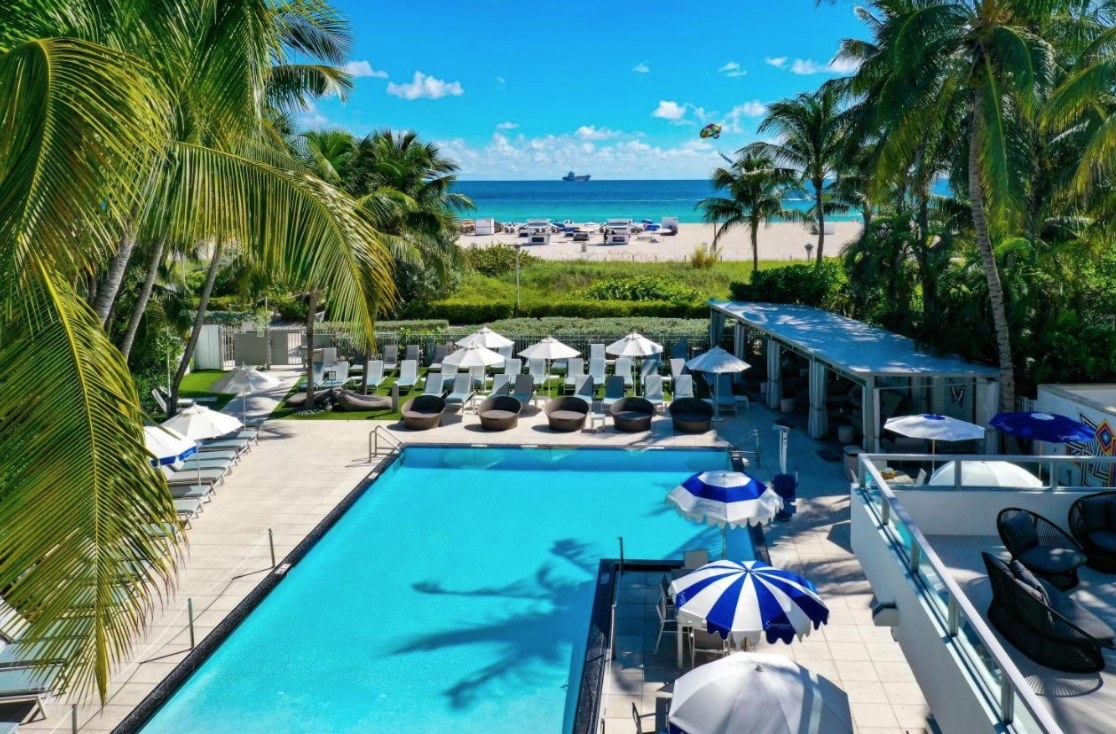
(758, 694)
(245, 381)
(985, 474)
(487, 338)
(634, 345)
(473, 355)
(167, 446)
(198, 422)
(549, 349)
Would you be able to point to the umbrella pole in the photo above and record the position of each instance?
(724, 542)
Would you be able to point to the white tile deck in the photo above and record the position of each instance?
(301, 469)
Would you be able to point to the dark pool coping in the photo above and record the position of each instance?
(598, 643)
(162, 692)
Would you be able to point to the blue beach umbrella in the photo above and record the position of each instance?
(741, 601)
(1037, 426)
(727, 499)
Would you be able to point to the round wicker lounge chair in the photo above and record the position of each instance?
(567, 414)
(423, 412)
(632, 415)
(349, 400)
(499, 413)
(691, 415)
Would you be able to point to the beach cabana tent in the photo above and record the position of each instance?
(884, 364)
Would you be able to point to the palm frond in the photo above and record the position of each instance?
(90, 533)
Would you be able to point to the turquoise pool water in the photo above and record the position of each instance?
(454, 596)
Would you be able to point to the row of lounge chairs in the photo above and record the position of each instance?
(193, 482)
(680, 351)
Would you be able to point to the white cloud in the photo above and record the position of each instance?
(507, 125)
(669, 110)
(809, 66)
(625, 155)
(755, 108)
(776, 61)
(732, 68)
(589, 132)
(641, 68)
(364, 69)
(311, 117)
(425, 87)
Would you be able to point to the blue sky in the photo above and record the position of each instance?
(519, 90)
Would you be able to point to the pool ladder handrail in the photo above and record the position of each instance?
(751, 436)
(374, 436)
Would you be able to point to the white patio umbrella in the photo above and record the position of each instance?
(167, 446)
(634, 345)
(934, 427)
(985, 474)
(549, 349)
(245, 381)
(473, 355)
(717, 361)
(487, 338)
(198, 422)
(758, 694)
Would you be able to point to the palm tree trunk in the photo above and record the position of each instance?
(991, 273)
(755, 246)
(311, 307)
(141, 300)
(110, 286)
(818, 184)
(195, 332)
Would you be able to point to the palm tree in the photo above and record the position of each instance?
(809, 131)
(755, 190)
(98, 139)
(987, 61)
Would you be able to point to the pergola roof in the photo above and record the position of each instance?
(848, 345)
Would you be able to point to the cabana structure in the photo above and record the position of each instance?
(849, 372)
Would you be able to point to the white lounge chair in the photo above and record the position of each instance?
(614, 390)
(597, 370)
(505, 352)
(374, 374)
(723, 399)
(440, 352)
(408, 374)
(391, 358)
(537, 370)
(513, 367)
(584, 388)
(501, 385)
(597, 351)
(653, 390)
(413, 353)
(684, 387)
(575, 368)
(434, 384)
(624, 369)
(524, 389)
(462, 390)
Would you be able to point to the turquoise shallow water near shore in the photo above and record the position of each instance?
(594, 201)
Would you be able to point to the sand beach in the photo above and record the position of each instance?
(780, 241)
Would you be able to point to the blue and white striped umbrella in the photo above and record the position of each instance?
(728, 499)
(167, 446)
(741, 601)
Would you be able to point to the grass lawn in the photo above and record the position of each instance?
(553, 389)
(199, 383)
(540, 281)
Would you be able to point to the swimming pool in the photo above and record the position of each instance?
(454, 595)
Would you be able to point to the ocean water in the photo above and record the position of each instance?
(453, 596)
(596, 201)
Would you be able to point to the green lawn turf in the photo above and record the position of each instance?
(198, 384)
(553, 388)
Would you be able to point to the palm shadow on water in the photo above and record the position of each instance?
(526, 641)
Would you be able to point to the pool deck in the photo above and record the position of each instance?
(302, 469)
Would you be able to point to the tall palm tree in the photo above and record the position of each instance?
(754, 189)
(96, 136)
(809, 131)
(987, 60)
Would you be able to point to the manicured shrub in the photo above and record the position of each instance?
(821, 286)
(497, 259)
(644, 288)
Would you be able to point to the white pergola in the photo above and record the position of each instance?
(876, 359)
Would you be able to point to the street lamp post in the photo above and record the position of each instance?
(809, 249)
(517, 249)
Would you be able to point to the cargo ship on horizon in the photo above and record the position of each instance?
(571, 176)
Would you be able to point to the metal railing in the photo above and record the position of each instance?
(374, 437)
(751, 436)
(998, 679)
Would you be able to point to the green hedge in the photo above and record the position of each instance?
(483, 312)
(821, 286)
